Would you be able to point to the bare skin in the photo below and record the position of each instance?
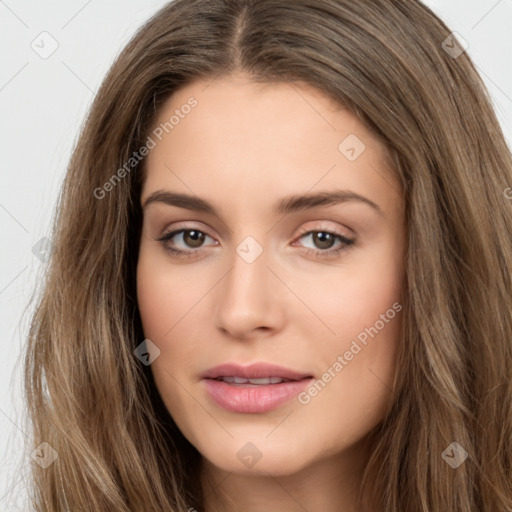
(298, 304)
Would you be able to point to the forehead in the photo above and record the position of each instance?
(238, 107)
(256, 138)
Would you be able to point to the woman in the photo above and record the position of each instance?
(281, 272)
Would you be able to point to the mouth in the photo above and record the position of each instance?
(257, 388)
(242, 381)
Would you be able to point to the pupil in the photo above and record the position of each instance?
(323, 240)
(193, 238)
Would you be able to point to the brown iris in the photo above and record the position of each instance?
(323, 240)
(193, 238)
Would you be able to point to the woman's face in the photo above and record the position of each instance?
(289, 227)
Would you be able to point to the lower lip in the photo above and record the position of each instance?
(253, 399)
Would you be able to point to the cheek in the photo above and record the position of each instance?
(361, 306)
(166, 301)
(171, 305)
(352, 297)
(165, 294)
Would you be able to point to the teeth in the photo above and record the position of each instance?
(267, 380)
(261, 382)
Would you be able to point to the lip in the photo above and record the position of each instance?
(253, 371)
(249, 398)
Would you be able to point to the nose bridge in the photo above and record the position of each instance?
(247, 298)
(247, 283)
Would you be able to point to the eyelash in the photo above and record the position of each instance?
(319, 253)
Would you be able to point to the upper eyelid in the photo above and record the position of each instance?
(185, 227)
(173, 232)
(181, 229)
(336, 231)
(302, 231)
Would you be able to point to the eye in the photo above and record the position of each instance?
(185, 242)
(326, 243)
(192, 242)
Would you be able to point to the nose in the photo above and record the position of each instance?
(249, 300)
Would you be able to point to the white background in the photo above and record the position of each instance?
(43, 103)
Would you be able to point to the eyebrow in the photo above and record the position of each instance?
(286, 205)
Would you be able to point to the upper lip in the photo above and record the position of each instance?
(253, 371)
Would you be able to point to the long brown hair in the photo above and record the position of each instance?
(96, 404)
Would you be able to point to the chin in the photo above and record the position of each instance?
(256, 458)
